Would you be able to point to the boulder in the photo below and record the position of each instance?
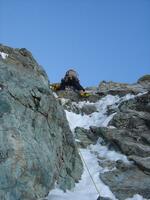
(145, 81)
(88, 109)
(84, 137)
(37, 147)
(127, 183)
(125, 141)
(143, 163)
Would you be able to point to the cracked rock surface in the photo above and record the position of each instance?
(36, 145)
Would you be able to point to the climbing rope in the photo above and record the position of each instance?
(89, 172)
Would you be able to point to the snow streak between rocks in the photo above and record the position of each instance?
(85, 190)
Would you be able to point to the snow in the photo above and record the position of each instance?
(100, 118)
(85, 189)
(3, 55)
(103, 151)
(85, 121)
(55, 95)
(136, 197)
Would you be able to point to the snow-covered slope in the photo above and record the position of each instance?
(90, 185)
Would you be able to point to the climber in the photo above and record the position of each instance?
(71, 80)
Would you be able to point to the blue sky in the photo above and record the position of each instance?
(101, 39)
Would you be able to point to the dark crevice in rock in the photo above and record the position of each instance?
(36, 101)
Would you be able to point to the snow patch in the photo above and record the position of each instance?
(103, 151)
(136, 197)
(3, 55)
(85, 189)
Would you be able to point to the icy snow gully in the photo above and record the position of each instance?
(90, 185)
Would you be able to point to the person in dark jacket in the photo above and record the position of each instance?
(71, 80)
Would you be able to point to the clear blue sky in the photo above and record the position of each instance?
(101, 39)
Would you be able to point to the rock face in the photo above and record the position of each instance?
(85, 137)
(131, 136)
(37, 148)
(126, 183)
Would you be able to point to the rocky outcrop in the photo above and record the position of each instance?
(85, 137)
(37, 148)
(120, 89)
(145, 81)
(142, 163)
(131, 136)
(75, 97)
(72, 106)
(127, 182)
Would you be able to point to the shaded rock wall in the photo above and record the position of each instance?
(36, 145)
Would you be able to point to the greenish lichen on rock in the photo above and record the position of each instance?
(37, 148)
